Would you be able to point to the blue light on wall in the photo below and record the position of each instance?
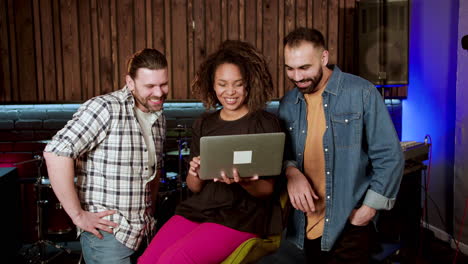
(430, 106)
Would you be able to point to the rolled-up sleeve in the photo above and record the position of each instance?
(84, 131)
(384, 151)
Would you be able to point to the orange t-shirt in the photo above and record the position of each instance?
(314, 161)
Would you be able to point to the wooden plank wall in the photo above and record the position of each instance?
(70, 50)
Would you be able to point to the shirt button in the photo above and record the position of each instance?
(326, 150)
(290, 128)
(346, 120)
(325, 105)
(328, 172)
(328, 197)
(303, 131)
(145, 150)
(146, 168)
(299, 154)
(326, 220)
(326, 127)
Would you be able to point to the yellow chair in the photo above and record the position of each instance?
(253, 249)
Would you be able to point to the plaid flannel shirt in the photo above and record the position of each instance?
(111, 162)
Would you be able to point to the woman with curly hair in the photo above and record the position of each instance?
(224, 212)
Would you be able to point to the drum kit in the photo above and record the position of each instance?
(51, 219)
(173, 188)
(181, 154)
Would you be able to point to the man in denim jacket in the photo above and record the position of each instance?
(343, 160)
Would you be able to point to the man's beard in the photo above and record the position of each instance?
(313, 87)
(144, 102)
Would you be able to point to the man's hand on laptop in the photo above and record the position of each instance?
(236, 178)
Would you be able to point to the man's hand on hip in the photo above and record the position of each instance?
(91, 222)
(362, 216)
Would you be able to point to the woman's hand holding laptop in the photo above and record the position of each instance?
(235, 177)
(195, 168)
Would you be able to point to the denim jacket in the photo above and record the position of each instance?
(363, 158)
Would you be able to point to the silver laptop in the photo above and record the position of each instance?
(251, 154)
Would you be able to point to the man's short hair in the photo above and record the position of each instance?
(151, 59)
(299, 35)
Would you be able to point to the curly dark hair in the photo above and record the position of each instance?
(254, 70)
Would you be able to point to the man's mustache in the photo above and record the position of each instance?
(304, 81)
(157, 98)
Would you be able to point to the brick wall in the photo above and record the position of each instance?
(24, 129)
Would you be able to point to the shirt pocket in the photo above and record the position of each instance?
(291, 127)
(347, 129)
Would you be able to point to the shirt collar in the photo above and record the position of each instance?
(126, 95)
(151, 117)
(333, 84)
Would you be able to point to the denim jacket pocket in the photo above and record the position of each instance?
(291, 127)
(347, 129)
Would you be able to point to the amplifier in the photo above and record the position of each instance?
(416, 151)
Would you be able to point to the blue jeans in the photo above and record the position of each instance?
(106, 250)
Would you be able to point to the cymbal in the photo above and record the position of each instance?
(178, 128)
(184, 152)
(35, 158)
(171, 175)
(46, 181)
(177, 133)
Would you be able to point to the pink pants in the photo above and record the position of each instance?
(184, 241)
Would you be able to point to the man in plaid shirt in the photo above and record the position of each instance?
(113, 146)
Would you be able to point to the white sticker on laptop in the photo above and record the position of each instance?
(242, 157)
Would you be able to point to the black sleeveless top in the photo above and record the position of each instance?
(230, 204)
